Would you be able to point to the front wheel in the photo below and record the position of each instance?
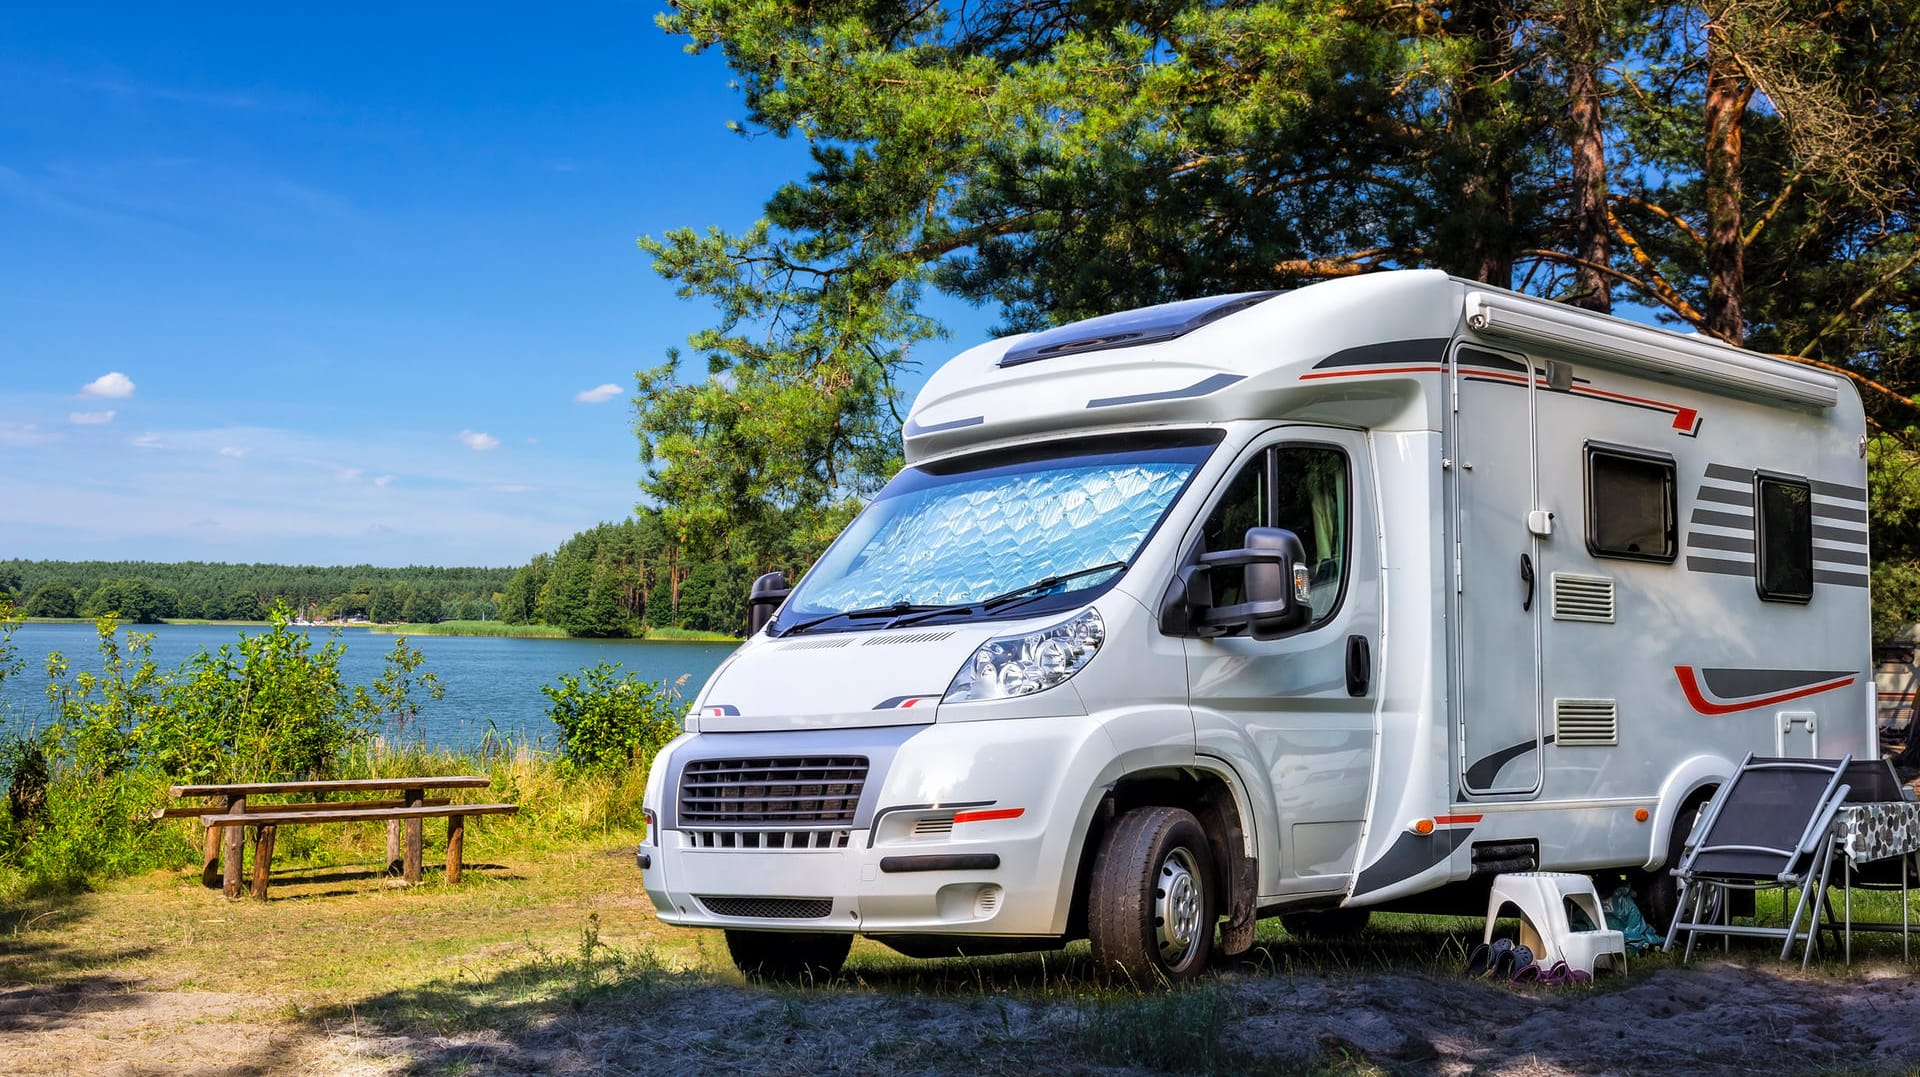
(788, 957)
(1151, 905)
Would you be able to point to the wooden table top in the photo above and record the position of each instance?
(344, 785)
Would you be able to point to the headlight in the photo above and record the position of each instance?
(1023, 665)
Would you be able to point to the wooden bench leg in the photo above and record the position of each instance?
(262, 860)
(236, 844)
(393, 847)
(456, 838)
(210, 859)
(414, 843)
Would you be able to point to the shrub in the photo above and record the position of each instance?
(610, 719)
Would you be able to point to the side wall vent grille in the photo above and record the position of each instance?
(1586, 723)
(1582, 598)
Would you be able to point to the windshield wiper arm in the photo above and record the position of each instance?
(1026, 592)
(894, 610)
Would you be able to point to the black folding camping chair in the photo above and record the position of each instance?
(1767, 828)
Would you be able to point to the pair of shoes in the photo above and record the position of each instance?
(1486, 957)
(1564, 975)
(1518, 967)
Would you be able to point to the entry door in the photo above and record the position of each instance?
(1311, 728)
(1499, 587)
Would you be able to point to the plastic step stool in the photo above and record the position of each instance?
(1541, 897)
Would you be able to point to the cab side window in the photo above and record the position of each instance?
(1301, 488)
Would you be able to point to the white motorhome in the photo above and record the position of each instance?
(1295, 603)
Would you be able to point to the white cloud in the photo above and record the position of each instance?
(533, 441)
(382, 480)
(91, 418)
(149, 441)
(478, 442)
(113, 386)
(23, 434)
(234, 451)
(348, 474)
(599, 394)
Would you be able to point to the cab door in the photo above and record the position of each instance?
(1310, 725)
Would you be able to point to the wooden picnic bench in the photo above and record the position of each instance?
(226, 809)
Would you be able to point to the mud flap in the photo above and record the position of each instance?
(1236, 935)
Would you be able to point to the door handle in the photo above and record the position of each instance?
(1526, 576)
(1359, 666)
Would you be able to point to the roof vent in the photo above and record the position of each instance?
(1582, 598)
(1130, 328)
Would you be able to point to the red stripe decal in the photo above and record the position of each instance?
(988, 814)
(909, 703)
(1455, 820)
(1701, 703)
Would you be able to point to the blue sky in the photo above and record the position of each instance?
(353, 269)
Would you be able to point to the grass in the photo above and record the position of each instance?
(689, 635)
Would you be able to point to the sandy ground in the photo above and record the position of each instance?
(1718, 1017)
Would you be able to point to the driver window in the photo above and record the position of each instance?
(1300, 488)
(1311, 501)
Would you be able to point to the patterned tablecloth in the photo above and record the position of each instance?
(1869, 832)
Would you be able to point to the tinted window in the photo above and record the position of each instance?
(1783, 564)
(1630, 505)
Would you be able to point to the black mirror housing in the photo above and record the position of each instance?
(763, 600)
(1276, 599)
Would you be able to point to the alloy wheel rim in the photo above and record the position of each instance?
(1177, 907)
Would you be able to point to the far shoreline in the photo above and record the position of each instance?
(481, 629)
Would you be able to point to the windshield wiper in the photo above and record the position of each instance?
(894, 610)
(1024, 593)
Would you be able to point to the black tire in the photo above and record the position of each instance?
(788, 957)
(1658, 892)
(1326, 923)
(1151, 906)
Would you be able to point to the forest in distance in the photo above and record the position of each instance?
(612, 580)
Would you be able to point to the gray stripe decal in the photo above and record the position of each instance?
(1835, 512)
(1742, 498)
(1840, 557)
(1483, 771)
(1839, 534)
(1844, 579)
(914, 429)
(1732, 684)
(1204, 387)
(1409, 855)
(1391, 352)
(1824, 489)
(1723, 519)
(1834, 489)
(1701, 541)
(1725, 568)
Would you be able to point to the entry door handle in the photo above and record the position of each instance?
(1526, 576)
(1359, 666)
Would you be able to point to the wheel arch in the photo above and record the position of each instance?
(1693, 776)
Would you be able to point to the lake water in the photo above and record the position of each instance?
(490, 682)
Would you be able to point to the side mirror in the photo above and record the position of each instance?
(764, 599)
(1277, 585)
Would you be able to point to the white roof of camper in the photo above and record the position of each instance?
(1289, 354)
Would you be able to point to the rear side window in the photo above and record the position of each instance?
(1631, 510)
(1783, 524)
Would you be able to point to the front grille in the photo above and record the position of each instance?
(762, 908)
(768, 839)
(790, 791)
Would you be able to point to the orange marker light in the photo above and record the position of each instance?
(1423, 826)
(1639, 815)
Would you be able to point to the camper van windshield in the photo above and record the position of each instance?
(940, 542)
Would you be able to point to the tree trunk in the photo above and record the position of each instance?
(1487, 187)
(1726, 106)
(1592, 235)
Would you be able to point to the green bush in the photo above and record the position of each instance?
(609, 719)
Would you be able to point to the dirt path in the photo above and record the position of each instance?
(558, 967)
